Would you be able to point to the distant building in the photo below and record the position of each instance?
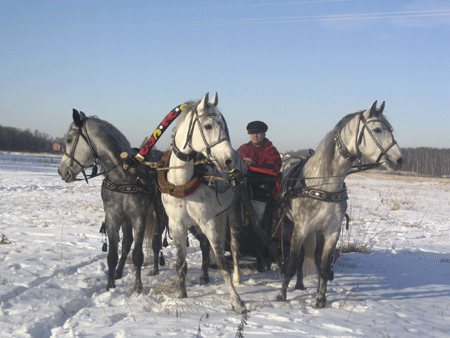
(57, 147)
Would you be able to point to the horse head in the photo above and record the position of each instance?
(207, 134)
(79, 152)
(375, 139)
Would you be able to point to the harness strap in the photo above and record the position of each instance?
(342, 148)
(138, 188)
(322, 195)
(182, 156)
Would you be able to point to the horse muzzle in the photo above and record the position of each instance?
(66, 174)
(395, 162)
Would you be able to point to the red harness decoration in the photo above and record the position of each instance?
(147, 147)
(178, 191)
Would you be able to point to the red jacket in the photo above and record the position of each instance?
(267, 159)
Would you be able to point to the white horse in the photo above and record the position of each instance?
(200, 129)
(314, 194)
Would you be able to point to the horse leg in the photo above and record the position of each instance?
(318, 255)
(292, 264)
(232, 221)
(157, 247)
(113, 239)
(179, 234)
(127, 231)
(157, 240)
(210, 229)
(205, 247)
(299, 285)
(161, 224)
(234, 247)
(267, 222)
(138, 255)
(324, 265)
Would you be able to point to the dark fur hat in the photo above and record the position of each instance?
(257, 127)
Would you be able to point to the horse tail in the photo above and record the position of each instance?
(150, 226)
(309, 263)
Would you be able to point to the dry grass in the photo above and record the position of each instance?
(405, 178)
(4, 240)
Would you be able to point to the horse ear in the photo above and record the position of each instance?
(77, 119)
(203, 102)
(372, 110)
(215, 100)
(83, 115)
(381, 108)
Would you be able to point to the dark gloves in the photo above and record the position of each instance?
(130, 162)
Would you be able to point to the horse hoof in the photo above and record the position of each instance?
(204, 280)
(281, 298)
(239, 308)
(300, 286)
(139, 289)
(155, 273)
(321, 303)
(260, 267)
(183, 295)
(118, 275)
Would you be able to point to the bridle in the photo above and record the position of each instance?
(79, 132)
(195, 118)
(358, 139)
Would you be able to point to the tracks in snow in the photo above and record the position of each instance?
(51, 300)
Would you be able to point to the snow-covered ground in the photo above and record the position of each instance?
(53, 272)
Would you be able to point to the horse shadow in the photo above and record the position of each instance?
(394, 274)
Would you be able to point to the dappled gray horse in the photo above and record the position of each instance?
(314, 194)
(200, 129)
(129, 202)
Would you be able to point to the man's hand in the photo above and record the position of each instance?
(248, 161)
(129, 162)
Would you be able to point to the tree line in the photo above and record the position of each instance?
(419, 161)
(13, 139)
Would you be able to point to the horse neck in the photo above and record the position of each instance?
(108, 148)
(327, 168)
(179, 176)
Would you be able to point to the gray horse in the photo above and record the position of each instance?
(314, 194)
(130, 201)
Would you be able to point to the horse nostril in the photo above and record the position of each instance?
(229, 163)
(400, 161)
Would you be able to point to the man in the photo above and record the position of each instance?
(260, 155)
(263, 164)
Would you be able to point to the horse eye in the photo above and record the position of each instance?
(377, 130)
(68, 140)
(208, 126)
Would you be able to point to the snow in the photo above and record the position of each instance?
(53, 272)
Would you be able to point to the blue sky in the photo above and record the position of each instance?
(300, 66)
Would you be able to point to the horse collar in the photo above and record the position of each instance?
(178, 191)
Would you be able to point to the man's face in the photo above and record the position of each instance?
(257, 139)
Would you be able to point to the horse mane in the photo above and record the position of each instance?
(190, 106)
(117, 140)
